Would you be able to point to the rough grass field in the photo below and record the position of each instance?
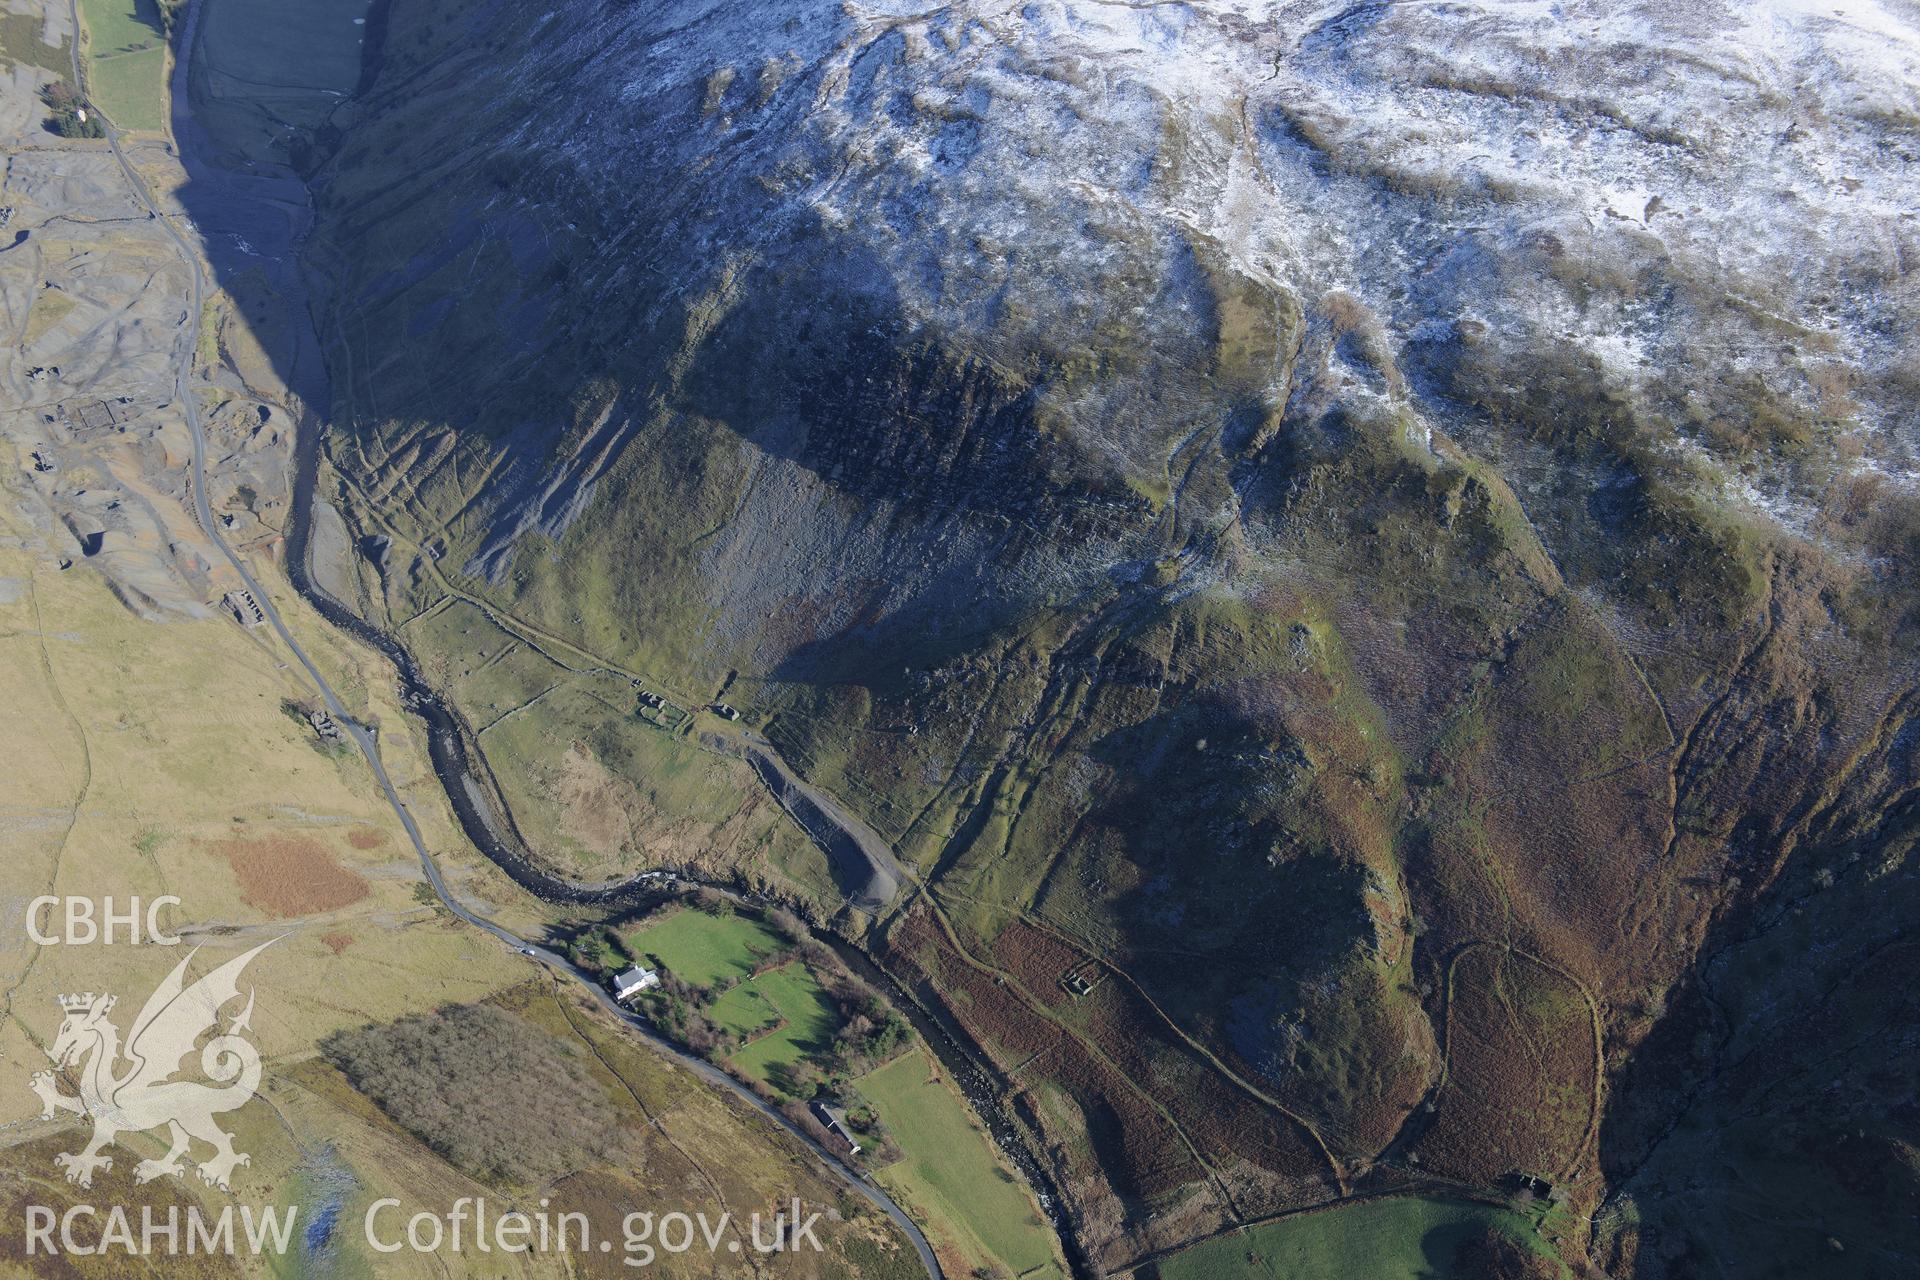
(1130, 1171)
(953, 1176)
(490, 672)
(610, 792)
(599, 786)
(803, 1019)
(1405, 1238)
(124, 777)
(21, 42)
(127, 61)
(704, 949)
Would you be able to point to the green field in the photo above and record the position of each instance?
(790, 995)
(704, 949)
(601, 785)
(783, 1013)
(127, 61)
(952, 1175)
(1405, 1238)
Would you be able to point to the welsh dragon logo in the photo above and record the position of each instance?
(141, 1094)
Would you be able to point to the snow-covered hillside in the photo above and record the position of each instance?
(1329, 493)
(1697, 194)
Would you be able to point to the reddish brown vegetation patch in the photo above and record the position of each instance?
(602, 1198)
(1270, 1159)
(1041, 962)
(1520, 1064)
(366, 837)
(337, 942)
(1228, 1124)
(22, 1185)
(289, 875)
(1123, 1161)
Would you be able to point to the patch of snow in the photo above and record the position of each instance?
(1714, 192)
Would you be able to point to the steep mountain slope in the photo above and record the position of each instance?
(1363, 553)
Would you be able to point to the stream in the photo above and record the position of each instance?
(271, 214)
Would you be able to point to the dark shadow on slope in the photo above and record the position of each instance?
(1803, 1100)
(252, 216)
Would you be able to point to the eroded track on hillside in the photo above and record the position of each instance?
(364, 738)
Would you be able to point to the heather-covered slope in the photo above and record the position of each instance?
(1362, 554)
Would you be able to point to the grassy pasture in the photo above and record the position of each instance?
(599, 785)
(952, 1174)
(122, 26)
(127, 61)
(746, 1015)
(704, 949)
(1405, 1238)
(790, 994)
(489, 671)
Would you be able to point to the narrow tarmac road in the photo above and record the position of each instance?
(369, 748)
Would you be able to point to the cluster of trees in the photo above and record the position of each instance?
(803, 1117)
(71, 118)
(598, 950)
(871, 1032)
(789, 926)
(491, 1093)
(678, 1007)
(301, 711)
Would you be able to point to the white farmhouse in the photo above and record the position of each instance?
(633, 982)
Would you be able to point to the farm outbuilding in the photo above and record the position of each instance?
(834, 1124)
